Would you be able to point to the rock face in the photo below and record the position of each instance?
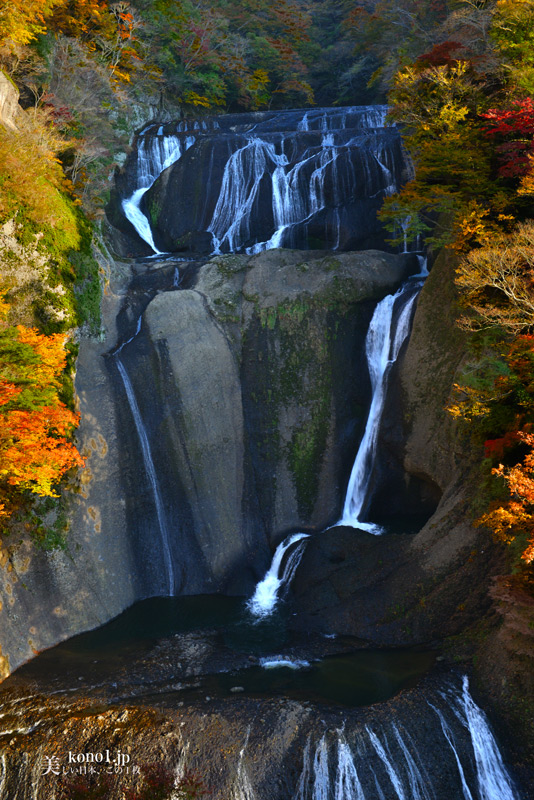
(253, 389)
(396, 589)
(9, 103)
(48, 596)
(239, 744)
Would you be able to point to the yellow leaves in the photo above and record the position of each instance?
(505, 521)
(195, 99)
(468, 403)
(496, 279)
(21, 21)
(32, 178)
(526, 186)
(451, 114)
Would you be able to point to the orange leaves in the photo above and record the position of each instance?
(8, 391)
(51, 352)
(514, 517)
(35, 451)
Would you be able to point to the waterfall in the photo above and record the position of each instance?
(493, 780)
(347, 785)
(241, 180)
(242, 788)
(154, 154)
(387, 332)
(150, 471)
(282, 179)
(386, 762)
(264, 600)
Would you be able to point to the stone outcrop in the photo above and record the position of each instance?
(48, 596)
(9, 103)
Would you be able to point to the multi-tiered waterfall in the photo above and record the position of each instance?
(250, 182)
(249, 334)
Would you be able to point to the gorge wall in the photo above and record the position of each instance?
(252, 415)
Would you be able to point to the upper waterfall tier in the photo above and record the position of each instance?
(307, 179)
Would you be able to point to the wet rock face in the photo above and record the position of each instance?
(298, 179)
(242, 747)
(253, 389)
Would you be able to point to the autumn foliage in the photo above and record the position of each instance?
(35, 426)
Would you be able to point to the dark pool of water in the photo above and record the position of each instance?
(349, 678)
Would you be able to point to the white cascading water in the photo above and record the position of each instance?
(276, 662)
(389, 765)
(241, 181)
(297, 173)
(384, 340)
(494, 783)
(386, 763)
(154, 154)
(242, 788)
(347, 785)
(385, 337)
(450, 740)
(148, 462)
(264, 600)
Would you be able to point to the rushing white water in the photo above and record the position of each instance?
(321, 783)
(386, 762)
(347, 784)
(241, 181)
(494, 783)
(450, 739)
(384, 340)
(242, 788)
(275, 662)
(154, 154)
(291, 154)
(132, 211)
(151, 473)
(266, 596)
(388, 329)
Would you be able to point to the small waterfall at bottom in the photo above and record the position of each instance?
(388, 761)
(268, 591)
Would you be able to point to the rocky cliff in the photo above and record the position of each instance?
(253, 390)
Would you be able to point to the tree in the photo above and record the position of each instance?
(21, 21)
(35, 426)
(497, 283)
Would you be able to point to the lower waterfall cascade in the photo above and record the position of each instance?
(386, 763)
(388, 330)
